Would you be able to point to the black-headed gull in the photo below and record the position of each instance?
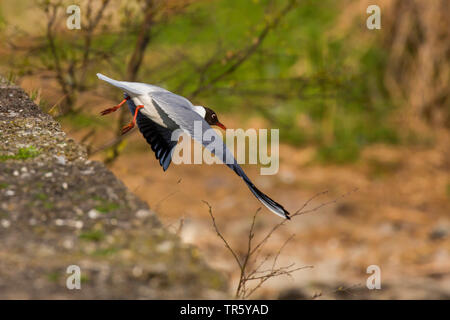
(159, 112)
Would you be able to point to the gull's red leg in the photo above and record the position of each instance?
(109, 110)
(131, 125)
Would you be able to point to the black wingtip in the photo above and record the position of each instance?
(272, 205)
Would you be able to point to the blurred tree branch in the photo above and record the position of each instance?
(70, 71)
(92, 22)
(234, 61)
(153, 8)
(51, 11)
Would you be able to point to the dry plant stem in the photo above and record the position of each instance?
(301, 212)
(252, 251)
(264, 275)
(221, 237)
(275, 273)
(57, 104)
(242, 282)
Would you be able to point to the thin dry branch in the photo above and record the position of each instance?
(273, 274)
(241, 285)
(300, 212)
(220, 235)
(256, 274)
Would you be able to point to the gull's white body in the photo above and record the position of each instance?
(141, 94)
(149, 109)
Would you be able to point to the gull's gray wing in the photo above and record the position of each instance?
(131, 88)
(177, 110)
(158, 137)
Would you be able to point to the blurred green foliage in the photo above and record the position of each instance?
(317, 86)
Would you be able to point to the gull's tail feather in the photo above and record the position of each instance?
(129, 87)
(272, 205)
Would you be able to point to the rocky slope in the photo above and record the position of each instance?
(59, 209)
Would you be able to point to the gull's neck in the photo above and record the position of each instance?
(200, 110)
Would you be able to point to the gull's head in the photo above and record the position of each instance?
(210, 116)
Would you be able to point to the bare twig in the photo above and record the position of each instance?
(242, 282)
(92, 23)
(221, 237)
(275, 273)
(246, 272)
(300, 212)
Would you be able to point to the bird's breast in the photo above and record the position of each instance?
(149, 110)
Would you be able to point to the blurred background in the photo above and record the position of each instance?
(356, 108)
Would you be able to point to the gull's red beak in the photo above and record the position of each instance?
(221, 125)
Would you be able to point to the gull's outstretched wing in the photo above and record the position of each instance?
(158, 137)
(136, 89)
(132, 88)
(179, 112)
